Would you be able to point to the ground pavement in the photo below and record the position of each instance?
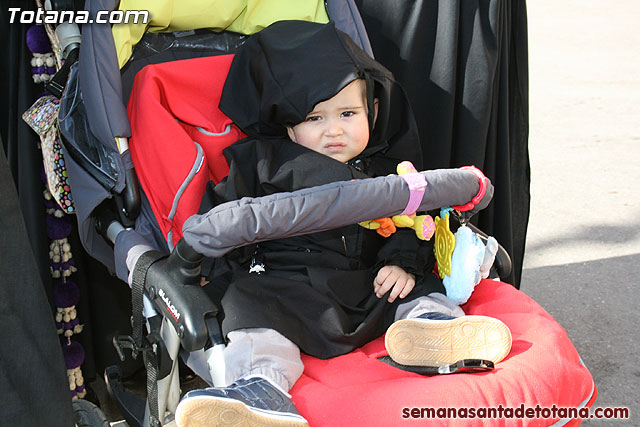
(582, 260)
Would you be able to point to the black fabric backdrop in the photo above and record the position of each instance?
(105, 306)
(464, 65)
(33, 380)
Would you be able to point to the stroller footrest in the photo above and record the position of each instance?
(131, 406)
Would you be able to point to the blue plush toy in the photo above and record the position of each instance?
(471, 261)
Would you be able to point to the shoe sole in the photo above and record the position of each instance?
(202, 411)
(437, 343)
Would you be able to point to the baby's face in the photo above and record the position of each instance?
(337, 127)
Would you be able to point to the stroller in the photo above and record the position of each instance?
(114, 218)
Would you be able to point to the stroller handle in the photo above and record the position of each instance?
(186, 253)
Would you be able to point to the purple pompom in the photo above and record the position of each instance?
(65, 294)
(71, 324)
(73, 354)
(50, 204)
(37, 40)
(57, 228)
(67, 265)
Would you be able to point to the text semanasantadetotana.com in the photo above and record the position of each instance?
(519, 412)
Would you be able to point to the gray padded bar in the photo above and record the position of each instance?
(251, 220)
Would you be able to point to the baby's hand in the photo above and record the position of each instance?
(392, 276)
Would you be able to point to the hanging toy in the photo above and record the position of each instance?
(66, 296)
(465, 266)
(463, 259)
(73, 354)
(444, 244)
(423, 225)
(43, 64)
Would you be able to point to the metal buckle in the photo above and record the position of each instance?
(466, 366)
(121, 342)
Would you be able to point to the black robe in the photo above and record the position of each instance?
(465, 68)
(317, 289)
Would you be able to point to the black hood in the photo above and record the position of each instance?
(279, 74)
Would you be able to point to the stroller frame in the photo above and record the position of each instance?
(179, 314)
(166, 285)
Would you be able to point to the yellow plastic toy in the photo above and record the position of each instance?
(423, 225)
(444, 244)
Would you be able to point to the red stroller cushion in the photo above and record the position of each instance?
(178, 134)
(542, 369)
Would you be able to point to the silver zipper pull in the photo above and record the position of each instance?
(344, 242)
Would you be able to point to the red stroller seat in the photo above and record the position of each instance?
(543, 370)
(178, 134)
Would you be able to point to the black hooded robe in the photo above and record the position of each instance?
(317, 289)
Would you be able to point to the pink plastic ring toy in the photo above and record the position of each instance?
(483, 189)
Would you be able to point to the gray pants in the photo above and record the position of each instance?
(262, 351)
(266, 352)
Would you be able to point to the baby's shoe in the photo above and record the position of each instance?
(436, 339)
(253, 401)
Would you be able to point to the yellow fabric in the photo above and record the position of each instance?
(240, 16)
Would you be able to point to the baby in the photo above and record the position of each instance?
(319, 110)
